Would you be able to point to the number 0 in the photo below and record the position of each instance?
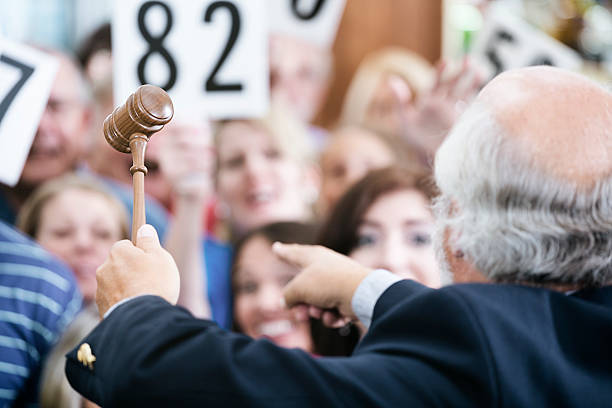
(306, 16)
(212, 84)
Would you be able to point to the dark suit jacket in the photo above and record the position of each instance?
(463, 346)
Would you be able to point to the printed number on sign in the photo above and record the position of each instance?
(26, 72)
(503, 36)
(156, 44)
(211, 83)
(300, 14)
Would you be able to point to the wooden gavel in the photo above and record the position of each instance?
(128, 129)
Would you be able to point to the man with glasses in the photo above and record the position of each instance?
(60, 140)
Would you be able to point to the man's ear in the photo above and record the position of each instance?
(461, 267)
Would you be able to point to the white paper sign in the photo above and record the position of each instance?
(26, 77)
(211, 56)
(507, 42)
(314, 21)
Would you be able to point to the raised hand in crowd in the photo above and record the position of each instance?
(187, 162)
(427, 124)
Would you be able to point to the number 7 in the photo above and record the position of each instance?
(26, 72)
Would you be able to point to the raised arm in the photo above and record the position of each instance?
(187, 161)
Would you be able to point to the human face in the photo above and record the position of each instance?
(259, 281)
(299, 74)
(80, 227)
(258, 182)
(102, 158)
(395, 234)
(60, 139)
(350, 156)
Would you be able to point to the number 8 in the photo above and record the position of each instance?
(155, 43)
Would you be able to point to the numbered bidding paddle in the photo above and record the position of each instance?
(209, 55)
(128, 129)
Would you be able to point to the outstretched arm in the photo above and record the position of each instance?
(148, 352)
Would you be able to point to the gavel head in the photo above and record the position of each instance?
(146, 111)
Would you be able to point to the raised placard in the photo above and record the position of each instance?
(506, 41)
(210, 56)
(26, 77)
(314, 21)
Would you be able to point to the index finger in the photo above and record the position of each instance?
(296, 254)
(122, 248)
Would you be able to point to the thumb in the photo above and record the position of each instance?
(147, 239)
(296, 254)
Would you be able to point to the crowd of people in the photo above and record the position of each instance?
(221, 193)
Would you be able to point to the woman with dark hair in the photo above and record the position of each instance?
(258, 278)
(385, 221)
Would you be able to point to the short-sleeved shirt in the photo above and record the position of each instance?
(38, 298)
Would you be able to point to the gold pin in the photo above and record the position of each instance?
(85, 356)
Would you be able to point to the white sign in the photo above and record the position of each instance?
(211, 56)
(507, 42)
(314, 21)
(26, 77)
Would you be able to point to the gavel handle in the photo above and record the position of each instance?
(138, 144)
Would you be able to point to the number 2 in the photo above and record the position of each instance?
(212, 84)
(26, 72)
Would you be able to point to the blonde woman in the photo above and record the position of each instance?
(266, 170)
(263, 171)
(78, 220)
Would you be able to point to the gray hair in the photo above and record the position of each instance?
(513, 221)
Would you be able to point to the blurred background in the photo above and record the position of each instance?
(432, 28)
(317, 130)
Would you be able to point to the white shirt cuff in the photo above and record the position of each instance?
(368, 292)
(119, 303)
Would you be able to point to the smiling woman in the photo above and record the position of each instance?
(385, 221)
(77, 220)
(258, 279)
(265, 171)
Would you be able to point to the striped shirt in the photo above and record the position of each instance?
(38, 298)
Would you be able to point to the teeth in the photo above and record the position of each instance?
(275, 328)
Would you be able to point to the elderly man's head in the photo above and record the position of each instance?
(60, 139)
(526, 181)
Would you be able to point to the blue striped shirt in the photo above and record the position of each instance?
(38, 298)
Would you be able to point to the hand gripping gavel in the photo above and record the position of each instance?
(128, 129)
